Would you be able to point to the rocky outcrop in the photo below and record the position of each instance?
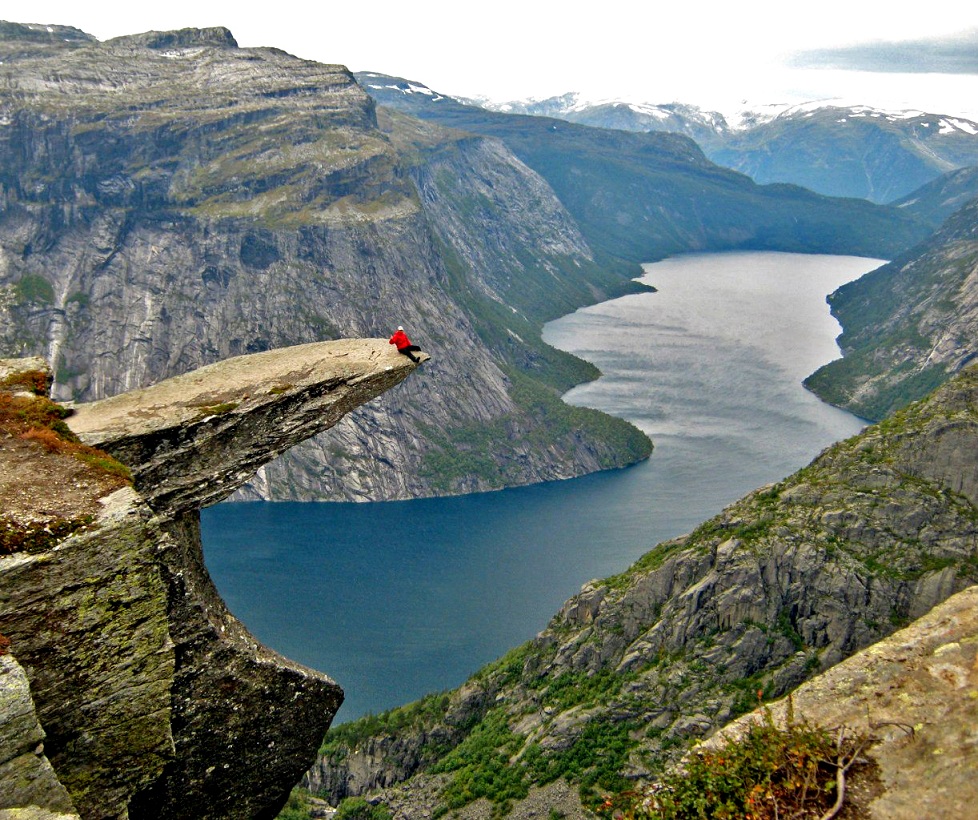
(169, 200)
(194, 439)
(914, 695)
(785, 583)
(155, 701)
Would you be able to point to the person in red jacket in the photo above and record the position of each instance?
(404, 344)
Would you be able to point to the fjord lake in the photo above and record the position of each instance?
(394, 600)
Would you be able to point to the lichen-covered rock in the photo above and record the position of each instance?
(87, 619)
(25, 773)
(155, 701)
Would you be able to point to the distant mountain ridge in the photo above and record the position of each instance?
(829, 147)
(643, 196)
(852, 151)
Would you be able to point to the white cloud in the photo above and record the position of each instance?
(507, 49)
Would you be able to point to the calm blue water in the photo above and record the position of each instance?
(397, 599)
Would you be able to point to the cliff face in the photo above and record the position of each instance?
(170, 200)
(153, 700)
(787, 582)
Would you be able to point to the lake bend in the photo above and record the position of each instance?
(397, 599)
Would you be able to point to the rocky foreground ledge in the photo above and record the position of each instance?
(192, 440)
(153, 700)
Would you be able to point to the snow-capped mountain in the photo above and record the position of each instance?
(829, 146)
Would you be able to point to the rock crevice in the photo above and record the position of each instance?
(153, 700)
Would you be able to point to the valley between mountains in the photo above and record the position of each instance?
(176, 209)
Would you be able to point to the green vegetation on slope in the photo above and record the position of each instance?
(907, 326)
(770, 772)
(539, 374)
(487, 451)
(780, 585)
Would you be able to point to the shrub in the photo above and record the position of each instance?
(34, 288)
(37, 536)
(768, 773)
(356, 808)
(41, 420)
(34, 381)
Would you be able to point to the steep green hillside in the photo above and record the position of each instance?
(907, 326)
(784, 583)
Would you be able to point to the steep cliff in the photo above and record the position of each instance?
(907, 326)
(151, 698)
(170, 200)
(784, 583)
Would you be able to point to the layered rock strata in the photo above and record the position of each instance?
(155, 700)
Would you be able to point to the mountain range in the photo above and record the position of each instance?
(826, 146)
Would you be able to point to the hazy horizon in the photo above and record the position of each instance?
(713, 55)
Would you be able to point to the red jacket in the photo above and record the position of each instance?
(400, 339)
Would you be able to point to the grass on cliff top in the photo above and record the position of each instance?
(50, 482)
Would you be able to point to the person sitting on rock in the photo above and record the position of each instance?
(404, 344)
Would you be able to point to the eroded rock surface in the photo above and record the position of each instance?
(155, 701)
(916, 695)
(194, 439)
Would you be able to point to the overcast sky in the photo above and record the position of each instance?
(714, 54)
